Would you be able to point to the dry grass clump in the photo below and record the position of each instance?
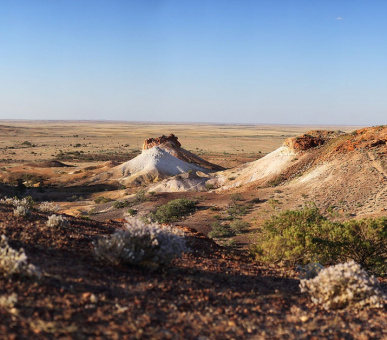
(56, 221)
(7, 201)
(141, 244)
(22, 206)
(8, 301)
(344, 285)
(48, 207)
(21, 211)
(14, 262)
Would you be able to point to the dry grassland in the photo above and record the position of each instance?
(81, 141)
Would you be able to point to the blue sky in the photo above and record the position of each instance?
(269, 61)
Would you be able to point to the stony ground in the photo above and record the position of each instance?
(207, 294)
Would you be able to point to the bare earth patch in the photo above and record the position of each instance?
(209, 293)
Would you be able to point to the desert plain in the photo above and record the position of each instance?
(217, 291)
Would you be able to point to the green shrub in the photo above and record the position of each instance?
(173, 210)
(306, 236)
(210, 186)
(364, 241)
(237, 210)
(290, 237)
(219, 230)
(141, 196)
(102, 199)
(122, 204)
(273, 202)
(277, 181)
(239, 226)
(132, 212)
(236, 197)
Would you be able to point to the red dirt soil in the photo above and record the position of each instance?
(207, 294)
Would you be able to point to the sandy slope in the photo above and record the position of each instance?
(271, 165)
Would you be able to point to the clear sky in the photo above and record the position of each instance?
(262, 61)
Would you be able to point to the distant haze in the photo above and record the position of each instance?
(279, 61)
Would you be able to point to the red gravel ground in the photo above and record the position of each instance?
(207, 294)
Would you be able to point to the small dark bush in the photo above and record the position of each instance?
(210, 186)
(236, 197)
(239, 227)
(102, 199)
(122, 204)
(219, 230)
(237, 210)
(132, 212)
(141, 196)
(173, 210)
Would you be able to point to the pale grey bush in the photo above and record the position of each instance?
(14, 262)
(56, 221)
(19, 204)
(309, 271)
(344, 285)
(23, 203)
(48, 207)
(8, 201)
(21, 211)
(142, 244)
(8, 301)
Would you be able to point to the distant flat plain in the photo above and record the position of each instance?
(227, 145)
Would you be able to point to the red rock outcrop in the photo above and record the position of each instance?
(171, 141)
(311, 139)
(367, 138)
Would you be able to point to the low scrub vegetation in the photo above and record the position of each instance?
(344, 285)
(140, 197)
(48, 207)
(122, 204)
(56, 221)
(306, 236)
(219, 230)
(14, 262)
(21, 211)
(173, 210)
(101, 199)
(141, 244)
(239, 226)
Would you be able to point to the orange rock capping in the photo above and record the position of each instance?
(172, 140)
(311, 139)
(366, 138)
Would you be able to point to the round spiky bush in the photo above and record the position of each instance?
(14, 262)
(344, 285)
(142, 244)
(56, 221)
(21, 211)
(48, 207)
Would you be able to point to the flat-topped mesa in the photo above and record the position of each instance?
(311, 139)
(171, 141)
